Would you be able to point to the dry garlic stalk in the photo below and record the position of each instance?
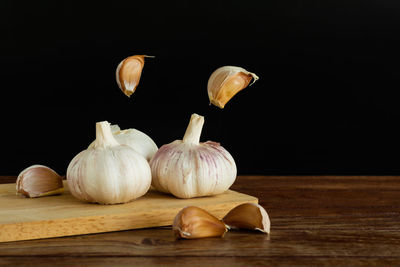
(225, 82)
(136, 139)
(187, 168)
(108, 173)
(128, 73)
(193, 222)
(39, 181)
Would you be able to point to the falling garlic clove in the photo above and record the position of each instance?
(39, 181)
(193, 222)
(248, 216)
(128, 73)
(227, 81)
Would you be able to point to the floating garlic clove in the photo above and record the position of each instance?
(248, 216)
(128, 73)
(193, 222)
(108, 173)
(227, 81)
(139, 141)
(39, 181)
(187, 168)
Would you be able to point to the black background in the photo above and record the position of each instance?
(325, 103)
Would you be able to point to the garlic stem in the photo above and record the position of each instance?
(104, 136)
(193, 131)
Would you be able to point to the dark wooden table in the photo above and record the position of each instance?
(316, 221)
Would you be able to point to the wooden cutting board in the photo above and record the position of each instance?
(54, 216)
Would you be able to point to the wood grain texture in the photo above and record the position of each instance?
(62, 215)
(237, 261)
(315, 221)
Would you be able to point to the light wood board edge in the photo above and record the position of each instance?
(103, 223)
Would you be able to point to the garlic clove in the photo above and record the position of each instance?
(128, 73)
(227, 81)
(193, 222)
(248, 216)
(39, 181)
(139, 141)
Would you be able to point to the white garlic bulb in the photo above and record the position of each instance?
(136, 139)
(187, 168)
(108, 173)
(225, 82)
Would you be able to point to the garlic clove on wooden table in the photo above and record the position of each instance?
(193, 222)
(250, 216)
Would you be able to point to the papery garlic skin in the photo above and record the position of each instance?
(187, 168)
(108, 173)
(136, 139)
(225, 82)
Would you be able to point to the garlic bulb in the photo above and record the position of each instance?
(108, 173)
(128, 73)
(136, 139)
(187, 168)
(225, 82)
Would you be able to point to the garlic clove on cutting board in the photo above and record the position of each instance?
(38, 181)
